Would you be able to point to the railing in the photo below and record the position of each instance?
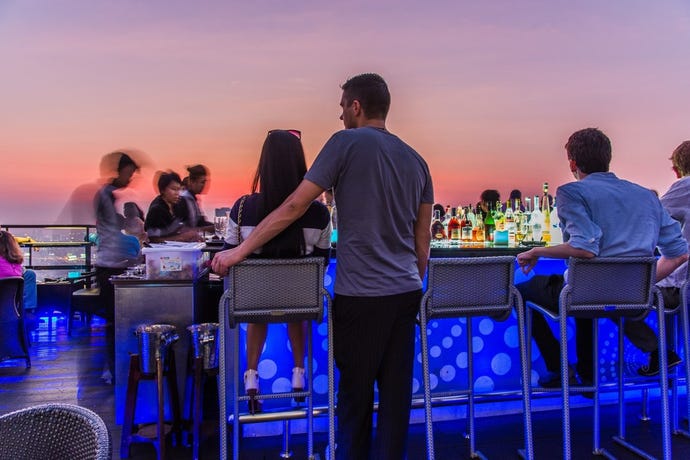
(36, 238)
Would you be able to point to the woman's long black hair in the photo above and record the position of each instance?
(281, 169)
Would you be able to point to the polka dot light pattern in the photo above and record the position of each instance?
(496, 355)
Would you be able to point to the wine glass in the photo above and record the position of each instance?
(220, 225)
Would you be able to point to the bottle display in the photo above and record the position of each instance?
(513, 223)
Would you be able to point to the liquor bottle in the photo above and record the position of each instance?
(471, 216)
(536, 220)
(509, 216)
(499, 218)
(510, 224)
(454, 227)
(478, 233)
(556, 232)
(517, 212)
(546, 212)
(489, 225)
(466, 228)
(438, 231)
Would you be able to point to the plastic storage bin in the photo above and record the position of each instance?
(174, 261)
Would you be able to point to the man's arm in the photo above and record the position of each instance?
(665, 265)
(422, 237)
(527, 260)
(292, 209)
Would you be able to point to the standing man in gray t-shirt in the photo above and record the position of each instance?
(385, 195)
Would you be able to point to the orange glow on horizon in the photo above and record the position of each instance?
(487, 93)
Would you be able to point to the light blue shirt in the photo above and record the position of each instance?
(611, 217)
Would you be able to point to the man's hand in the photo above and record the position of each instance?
(223, 260)
(527, 260)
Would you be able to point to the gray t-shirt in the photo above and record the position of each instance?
(379, 183)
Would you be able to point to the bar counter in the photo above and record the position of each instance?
(140, 301)
(497, 363)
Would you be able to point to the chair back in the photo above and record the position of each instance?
(11, 298)
(470, 286)
(14, 341)
(274, 291)
(53, 431)
(618, 286)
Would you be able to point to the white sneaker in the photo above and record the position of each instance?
(251, 381)
(251, 387)
(297, 379)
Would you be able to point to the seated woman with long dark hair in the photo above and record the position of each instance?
(281, 168)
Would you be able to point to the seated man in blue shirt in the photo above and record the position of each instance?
(600, 215)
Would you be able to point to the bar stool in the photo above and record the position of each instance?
(271, 291)
(203, 363)
(616, 288)
(680, 315)
(154, 362)
(469, 287)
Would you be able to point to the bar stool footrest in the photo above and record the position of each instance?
(622, 442)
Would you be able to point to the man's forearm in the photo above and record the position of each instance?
(562, 251)
(292, 209)
(422, 237)
(665, 266)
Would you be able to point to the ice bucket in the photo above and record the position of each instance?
(205, 343)
(154, 341)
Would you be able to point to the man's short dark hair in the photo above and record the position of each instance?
(196, 172)
(590, 149)
(125, 160)
(371, 91)
(166, 179)
(490, 196)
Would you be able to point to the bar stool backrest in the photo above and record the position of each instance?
(616, 285)
(274, 291)
(53, 431)
(470, 286)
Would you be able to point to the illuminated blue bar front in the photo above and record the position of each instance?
(496, 354)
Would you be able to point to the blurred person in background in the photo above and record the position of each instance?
(677, 202)
(162, 223)
(113, 255)
(187, 208)
(134, 221)
(11, 260)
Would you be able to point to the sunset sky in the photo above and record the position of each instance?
(488, 92)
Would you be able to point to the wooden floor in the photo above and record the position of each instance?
(68, 370)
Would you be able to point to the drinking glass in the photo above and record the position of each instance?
(221, 226)
(536, 232)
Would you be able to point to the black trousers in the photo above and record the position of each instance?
(374, 344)
(545, 290)
(107, 306)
